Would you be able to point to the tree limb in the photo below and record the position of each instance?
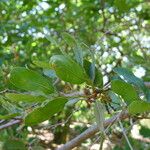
(91, 131)
(10, 123)
(147, 84)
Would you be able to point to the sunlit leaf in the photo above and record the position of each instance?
(68, 70)
(30, 80)
(139, 107)
(131, 78)
(125, 90)
(24, 97)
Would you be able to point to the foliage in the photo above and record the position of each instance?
(61, 61)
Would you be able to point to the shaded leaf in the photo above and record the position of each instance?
(98, 79)
(116, 99)
(72, 102)
(12, 144)
(11, 108)
(145, 131)
(92, 64)
(43, 113)
(30, 80)
(70, 40)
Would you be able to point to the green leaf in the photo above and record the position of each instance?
(24, 97)
(122, 5)
(42, 64)
(99, 111)
(139, 107)
(55, 42)
(38, 148)
(8, 116)
(145, 131)
(43, 113)
(11, 108)
(92, 64)
(68, 70)
(131, 78)
(98, 79)
(125, 90)
(30, 80)
(70, 40)
(116, 100)
(13, 144)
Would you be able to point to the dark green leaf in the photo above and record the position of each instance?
(98, 80)
(43, 113)
(12, 144)
(24, 97)
(125, 90)
(30, 80)
(145, 131)
(139, 107)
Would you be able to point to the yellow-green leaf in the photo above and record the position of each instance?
(139, 107)
(17, 97)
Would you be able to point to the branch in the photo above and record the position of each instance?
(10, 123)
(91, 131)
(143, 139)
(147, 84)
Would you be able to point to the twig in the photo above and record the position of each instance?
(142, 139)
(124, 133)
(147, 84)
(9, 124)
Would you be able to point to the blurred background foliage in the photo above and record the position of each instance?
(116, 31)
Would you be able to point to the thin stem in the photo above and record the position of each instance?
(124, 133)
